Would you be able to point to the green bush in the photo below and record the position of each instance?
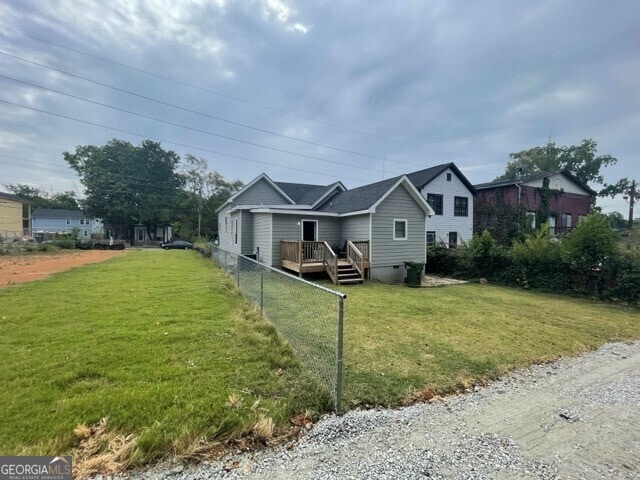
(65, 243)
(484, 258)
(589, 249)
(445, 261)
(627, 275)
(538, 262)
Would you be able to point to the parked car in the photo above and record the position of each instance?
(177, 244)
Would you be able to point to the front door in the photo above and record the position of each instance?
(140, 235)
(309, 230)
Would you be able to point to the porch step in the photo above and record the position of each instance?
(348, 274)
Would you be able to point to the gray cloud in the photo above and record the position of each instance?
(471, 81)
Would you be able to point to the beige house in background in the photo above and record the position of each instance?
(15, 217)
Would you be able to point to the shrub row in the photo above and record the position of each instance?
(588, 261)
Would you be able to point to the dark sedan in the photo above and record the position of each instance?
(177, 244)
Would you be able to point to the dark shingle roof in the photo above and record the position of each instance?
(11, 196)
(56, 213)
(423, 177)
(531, 178)
(356, 199)
(303, 193)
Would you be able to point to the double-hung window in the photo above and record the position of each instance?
(460, 206)
(435, 200)
(399, 229)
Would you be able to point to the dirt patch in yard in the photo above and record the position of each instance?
(26, 268)
(432, 281)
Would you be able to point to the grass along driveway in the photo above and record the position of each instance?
(158, 343)
(402, 343)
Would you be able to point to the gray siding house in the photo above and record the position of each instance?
(351, 234)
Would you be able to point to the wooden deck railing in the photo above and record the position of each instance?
(363, 247)
(330, 260)
(355, 258)
(302, 252)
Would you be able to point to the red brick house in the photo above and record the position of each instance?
(557, 198)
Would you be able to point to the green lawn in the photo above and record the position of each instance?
(400, 341)
(156, 342)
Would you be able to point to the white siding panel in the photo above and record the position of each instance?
(559, 182)
(447, 222)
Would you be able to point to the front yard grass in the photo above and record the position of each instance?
(164, 347)
(159, 343)
(403, 343)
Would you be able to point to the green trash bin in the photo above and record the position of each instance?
(414, 273)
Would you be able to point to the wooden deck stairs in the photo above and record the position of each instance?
(347, 274)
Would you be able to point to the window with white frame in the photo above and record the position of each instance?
(68, 221)
(566, 220)
(531, 219)
(226, 224)
(234, 230)
(399, 229)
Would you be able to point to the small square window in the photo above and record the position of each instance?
(399, 229)
(448, 177)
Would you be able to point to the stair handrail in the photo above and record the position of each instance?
(355, 258)
(330, 260)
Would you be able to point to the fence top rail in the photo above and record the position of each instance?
(297, 279)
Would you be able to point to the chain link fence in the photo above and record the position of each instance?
(308, 316)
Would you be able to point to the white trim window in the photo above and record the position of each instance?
(531, 218)
(400, 229)
(226, 224)
(234, 230)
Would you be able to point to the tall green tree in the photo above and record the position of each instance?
(127, 184)
(205, 191)
(626, 187)
(581, 160)
(40, 198)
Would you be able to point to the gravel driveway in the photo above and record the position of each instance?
(575, 418)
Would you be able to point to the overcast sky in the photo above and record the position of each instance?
(318, 91)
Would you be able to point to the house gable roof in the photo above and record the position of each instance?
(55, 213)
(421, 178)
(368, 197)
(534, 177)
(307, 194)
(15, 198)
(262, 176)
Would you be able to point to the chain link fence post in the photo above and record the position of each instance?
(261, 292)
(339, 356)
(304, 314)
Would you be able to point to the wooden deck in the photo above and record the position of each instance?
(312, 267)
(311, 257)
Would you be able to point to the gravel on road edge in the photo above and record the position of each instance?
(576, 417)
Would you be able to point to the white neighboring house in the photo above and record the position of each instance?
(450, 195)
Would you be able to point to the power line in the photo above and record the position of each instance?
(230, 97)
(188, 127)
(171, 105)
(238, 157)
